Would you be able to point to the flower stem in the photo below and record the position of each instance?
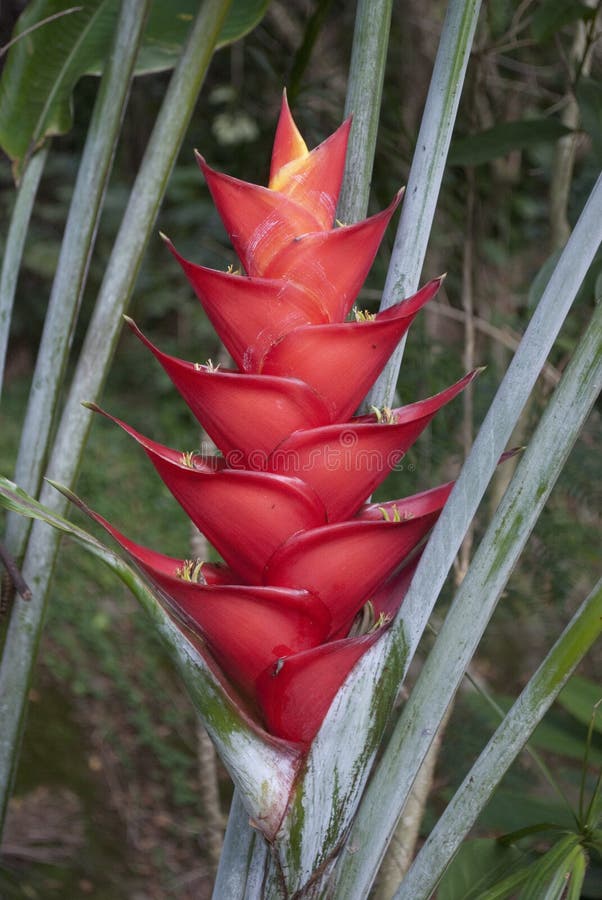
(364, 93)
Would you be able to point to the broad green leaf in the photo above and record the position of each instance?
(477, 867)
(589, 97)
(579, 697)
(552, 15)
(510, 810)
(476, 149)
(43, 67)
(556, 733)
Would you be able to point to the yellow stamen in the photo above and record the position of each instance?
(191, 570)
(232, 271)
(383, 619)
(397, 517)
(187, 458)
(362, 315)
(384, 415)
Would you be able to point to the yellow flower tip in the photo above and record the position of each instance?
(129, 320)
(480, 369)
(89, 404)
(164, 237)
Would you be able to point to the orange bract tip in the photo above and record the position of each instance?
(288, 143)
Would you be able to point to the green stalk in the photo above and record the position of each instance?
(503, 748)
(364, 93)
(27, 619)
(475, 600)
(15, 242)
(76, 250)
(244, 858)
(426, 174)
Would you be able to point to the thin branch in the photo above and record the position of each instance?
(15, 575)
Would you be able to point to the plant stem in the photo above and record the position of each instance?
(503, 748)
(26, 624)
(566, 147)
(485, 580)
(426, 174)
(364, 93)
(244, 858)
(15, 242)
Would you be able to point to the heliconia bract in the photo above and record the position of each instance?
(310, 568)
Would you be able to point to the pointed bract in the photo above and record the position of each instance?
(259, 222)
(340, 362)
(250, 314)
(289, 145)
(314, 181)
(343, 564)
(296, 695)
(332, 265)
(245, 515)
(221, 401)
(344, 463)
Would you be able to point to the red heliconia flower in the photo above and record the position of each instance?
(312, 571)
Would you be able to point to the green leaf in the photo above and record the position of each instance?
(168, 26)
(577, 875)
(502, 139)
(552, 15)
(43, 67)
(548, 878)
(477, 867)
(510, 810)
(578, 697)
(589, 98)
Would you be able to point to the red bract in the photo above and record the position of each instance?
(312, 573)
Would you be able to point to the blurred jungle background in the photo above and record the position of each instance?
(112, 800)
